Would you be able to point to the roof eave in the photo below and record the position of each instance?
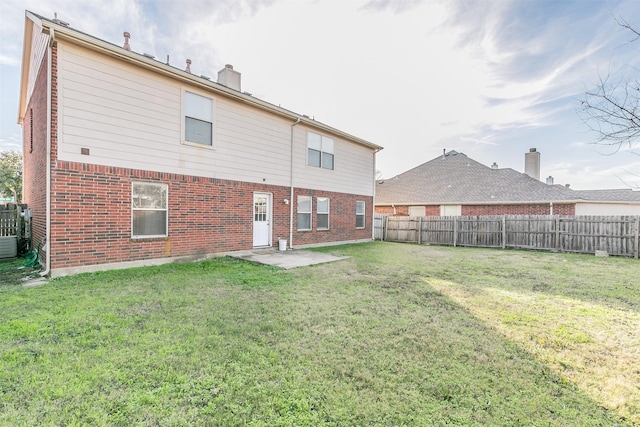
(70, 35)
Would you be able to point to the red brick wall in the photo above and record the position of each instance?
(537, 209)
(342, 218)
(34, 150)
(474, 210)
(91, 216)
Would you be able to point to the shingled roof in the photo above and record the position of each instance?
(454, 178)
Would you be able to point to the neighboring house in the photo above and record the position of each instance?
(131, 161)
(454, 184)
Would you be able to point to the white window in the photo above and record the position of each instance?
(304, 213)
(149, 209)
(359, 214)
(322, 213)
(450, 210)
(319, 151)
(417, 211)
(198, 119)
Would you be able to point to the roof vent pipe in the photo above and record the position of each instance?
(127, 36)
(444, 153)
(494, 165)
(188, 69)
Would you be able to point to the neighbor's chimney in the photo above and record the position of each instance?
(126, 40)
(494, 165)
(532, 163)
(229, 77)
(549, 180)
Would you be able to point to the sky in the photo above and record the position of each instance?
(490, 79)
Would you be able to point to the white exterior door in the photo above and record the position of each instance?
(261, 219)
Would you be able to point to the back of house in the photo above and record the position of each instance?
(131, 161)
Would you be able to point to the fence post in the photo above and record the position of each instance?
(420, 231)
(504, 231)
(558, 248)
(455, 231)
(385, 224)
(637, 236)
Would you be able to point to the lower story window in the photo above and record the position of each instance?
(304, 212)
(359, 214)
(149, 209)
(322, 213)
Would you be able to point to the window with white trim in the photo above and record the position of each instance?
(319, 151)
(198, 119)
(304, 213)
(360, 223)
(148, 209)
(322, 213)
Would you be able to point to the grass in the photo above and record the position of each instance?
(395, 335)
(14, 272)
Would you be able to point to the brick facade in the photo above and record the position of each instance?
(34, 153)
(524, 209)
(476, 210)
(91, 216)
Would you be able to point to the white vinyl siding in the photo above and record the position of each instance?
(607, 209)
(304, 213)
(357, 178)
(132, 118)
(38, 50)
(322, 213)
(148, 210)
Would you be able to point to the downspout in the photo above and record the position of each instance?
(550, 208)
(373, 208)
(291, 189)
(47, 237)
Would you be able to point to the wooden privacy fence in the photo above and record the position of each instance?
(616, 235)
(10, 221)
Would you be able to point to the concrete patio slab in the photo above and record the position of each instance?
(289, 259)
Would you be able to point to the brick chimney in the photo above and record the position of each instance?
(532, 163)
(229, 77)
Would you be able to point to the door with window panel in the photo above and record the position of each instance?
(261, 219)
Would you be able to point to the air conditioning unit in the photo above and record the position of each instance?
(8, 247)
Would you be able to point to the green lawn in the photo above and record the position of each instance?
(398, 334)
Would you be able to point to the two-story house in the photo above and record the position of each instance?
(131, 161)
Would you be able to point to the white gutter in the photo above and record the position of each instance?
(291, 185)
(47, 244)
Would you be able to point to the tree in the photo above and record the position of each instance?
(612, 108)
(11, 175)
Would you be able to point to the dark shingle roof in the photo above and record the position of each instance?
(454, 178)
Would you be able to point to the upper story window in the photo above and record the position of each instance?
(149, 209)
(319, 151)
(198, 119)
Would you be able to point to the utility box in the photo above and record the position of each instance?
(8, 247)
